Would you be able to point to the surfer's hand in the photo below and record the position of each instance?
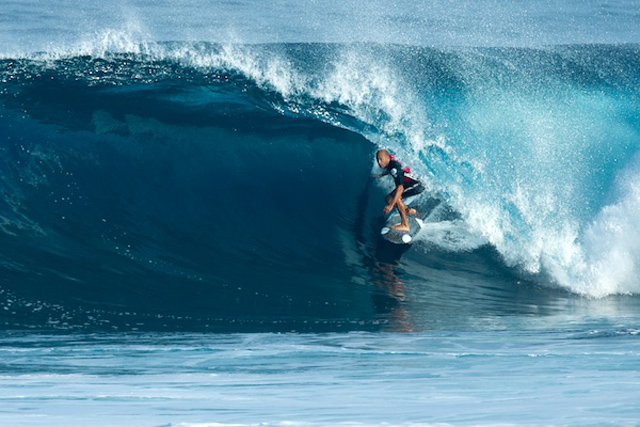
(387, 209)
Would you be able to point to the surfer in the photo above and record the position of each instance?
(406, 185)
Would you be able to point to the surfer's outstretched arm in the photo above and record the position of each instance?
(379, 175)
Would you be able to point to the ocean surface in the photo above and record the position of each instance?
(189, 227)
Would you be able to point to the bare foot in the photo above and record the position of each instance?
(412, 212)
(401, 227)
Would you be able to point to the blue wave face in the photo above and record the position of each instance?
(181, 185)
(119, 197)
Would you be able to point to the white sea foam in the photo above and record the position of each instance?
(612, 240)
(453, 236)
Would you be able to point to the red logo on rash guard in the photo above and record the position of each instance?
(406, 169)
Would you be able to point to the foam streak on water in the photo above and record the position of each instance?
(559, 378)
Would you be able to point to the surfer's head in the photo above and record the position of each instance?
(383, 157)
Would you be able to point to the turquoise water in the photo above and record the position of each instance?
(190, 234)
(487, 378)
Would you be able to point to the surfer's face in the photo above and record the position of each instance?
(383, 160)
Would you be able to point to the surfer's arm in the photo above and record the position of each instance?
(396, 198)
(398, 195)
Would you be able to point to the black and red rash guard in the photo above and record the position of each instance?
(401, 175)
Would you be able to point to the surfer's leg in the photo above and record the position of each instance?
(411, 191)
(404, 223)
(410, 211)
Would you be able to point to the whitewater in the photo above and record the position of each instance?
(190, 228)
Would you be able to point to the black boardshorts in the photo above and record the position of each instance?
(413, 190)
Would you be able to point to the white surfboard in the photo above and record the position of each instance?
(401, 237)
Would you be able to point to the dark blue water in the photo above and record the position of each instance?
(180, 184)
(205, 197)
